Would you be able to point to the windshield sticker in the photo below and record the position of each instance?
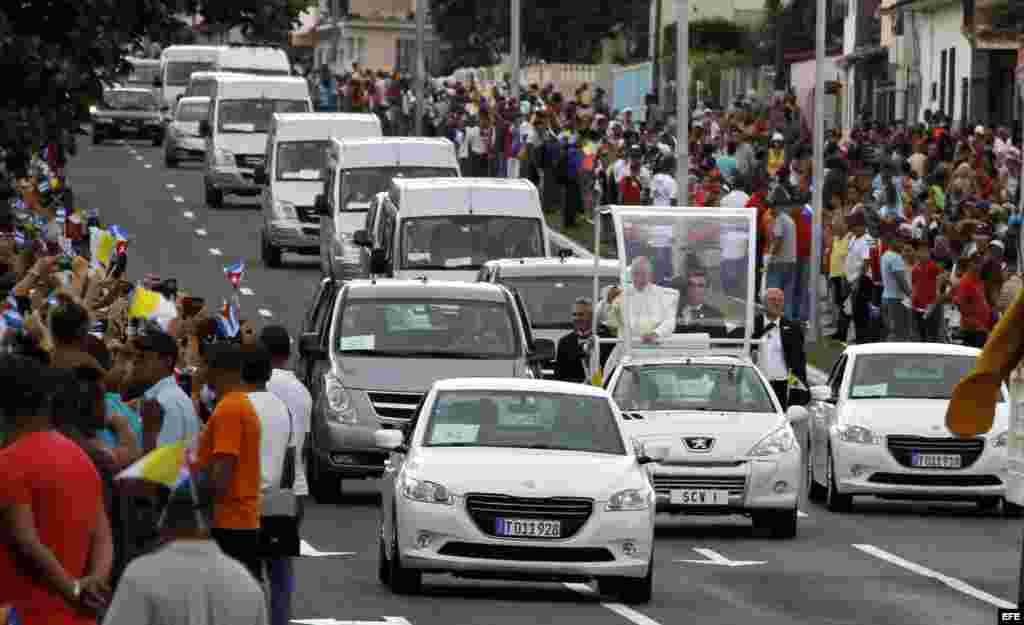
(448, 433)
(357, 343)
(870, 390)
(458, 262)
(306, 174)
(919, 374)
(239, 127)
(418, 257)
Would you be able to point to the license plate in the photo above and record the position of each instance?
(699, 497)
(527, 528)
(936, 461)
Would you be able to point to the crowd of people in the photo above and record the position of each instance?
(105, 379)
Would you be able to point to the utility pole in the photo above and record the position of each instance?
(817, 204)
(517, 33)
(656, 58)
(421, 70)
(683, 99)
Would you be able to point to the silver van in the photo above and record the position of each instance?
(293, 176)
(371, 349)
(359, 169)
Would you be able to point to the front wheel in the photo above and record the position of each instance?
(403, 581)
(834, 500)
(214, 197)
(777, 523)
(815, 491)
(271, 255)
(323, 485)
(631, 590)
(1012, 510)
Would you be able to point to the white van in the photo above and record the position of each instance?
(447, 229)
(177, 64)
(204, 84)
(296, 159)
(257, 60)
(359, 169)
(236, 132)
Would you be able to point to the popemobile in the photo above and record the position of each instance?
(683, 368)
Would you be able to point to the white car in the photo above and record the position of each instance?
(879, 428)
(517, 479)
(732, 449)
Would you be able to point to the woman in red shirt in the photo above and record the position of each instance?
(976, 319)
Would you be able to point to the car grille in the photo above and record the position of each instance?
(736, 485)
(931, 479)
(573, 512)
(248, 161)
(395, 405)
(902, 447)
(307, 214)
(527, 554)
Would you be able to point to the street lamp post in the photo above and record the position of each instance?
(514, 52)
(683, 99)
(817, 204)
(421, 70)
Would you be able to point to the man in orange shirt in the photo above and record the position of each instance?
(229, 454)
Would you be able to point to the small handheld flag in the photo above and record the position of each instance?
(228, 325)
(235, 273)
(164, 465)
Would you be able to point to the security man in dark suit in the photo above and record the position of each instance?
(572, 355)
(695, 314)
(783, 352)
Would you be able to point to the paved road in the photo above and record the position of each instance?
(885, 563)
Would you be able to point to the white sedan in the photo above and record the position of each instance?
(517, 479)
(879, 428)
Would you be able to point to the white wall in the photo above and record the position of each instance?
(942, 31)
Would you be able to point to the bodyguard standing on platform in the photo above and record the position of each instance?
(782, 357)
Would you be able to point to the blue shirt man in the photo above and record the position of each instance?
(155, 357)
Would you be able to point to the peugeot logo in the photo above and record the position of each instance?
(699, 443)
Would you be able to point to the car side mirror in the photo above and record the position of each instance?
(259, 175)
(822, 393)
(543, 350)
(309, 346)
(797, 414)
(204, 128)
(379, 262)
(362, 238)
(320, 204)
(652, 453)
(392, 440)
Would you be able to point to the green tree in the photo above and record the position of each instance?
(55, 55)
(260, 20)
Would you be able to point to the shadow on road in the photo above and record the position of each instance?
(485, 590)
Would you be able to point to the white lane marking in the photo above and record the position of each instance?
(801, 514)
(713, 557)
(179, 199)
(170, 185)
(386, 621)
(188, 215)
(624, 611)
(246, 291)
(309, 551)
(266, 314)
(201, 232)
(148, 166)
(216, 252)
(139, 157)
(952, 582)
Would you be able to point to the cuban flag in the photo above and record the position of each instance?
(44, 186)
(19, 239)
(235, 273)
(227, 324)
(13, 320)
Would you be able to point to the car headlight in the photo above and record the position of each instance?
(223, 158)
(339, 401)
(778, 442)
(93, 109)
(426, 491)
(858, 434)
(1001, 440)
(285, 210)
(630, 499)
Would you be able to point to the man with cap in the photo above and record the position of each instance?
(896, 289)
(780, 262)
(154, 356)
(189, 576)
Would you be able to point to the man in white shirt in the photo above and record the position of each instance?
(287, 386)
(781, 356)
(858, 284)
(652, 307)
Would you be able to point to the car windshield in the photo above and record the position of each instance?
(360, 185)
(468, 241)
(432, 328)
(254, 115)
(144, 74)
(719, 388)
(130, 101)
(179, 72)
(258, 71)
(549, 300)
(192, 112)
(523, 420)
(301, 160)
(908, 376)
